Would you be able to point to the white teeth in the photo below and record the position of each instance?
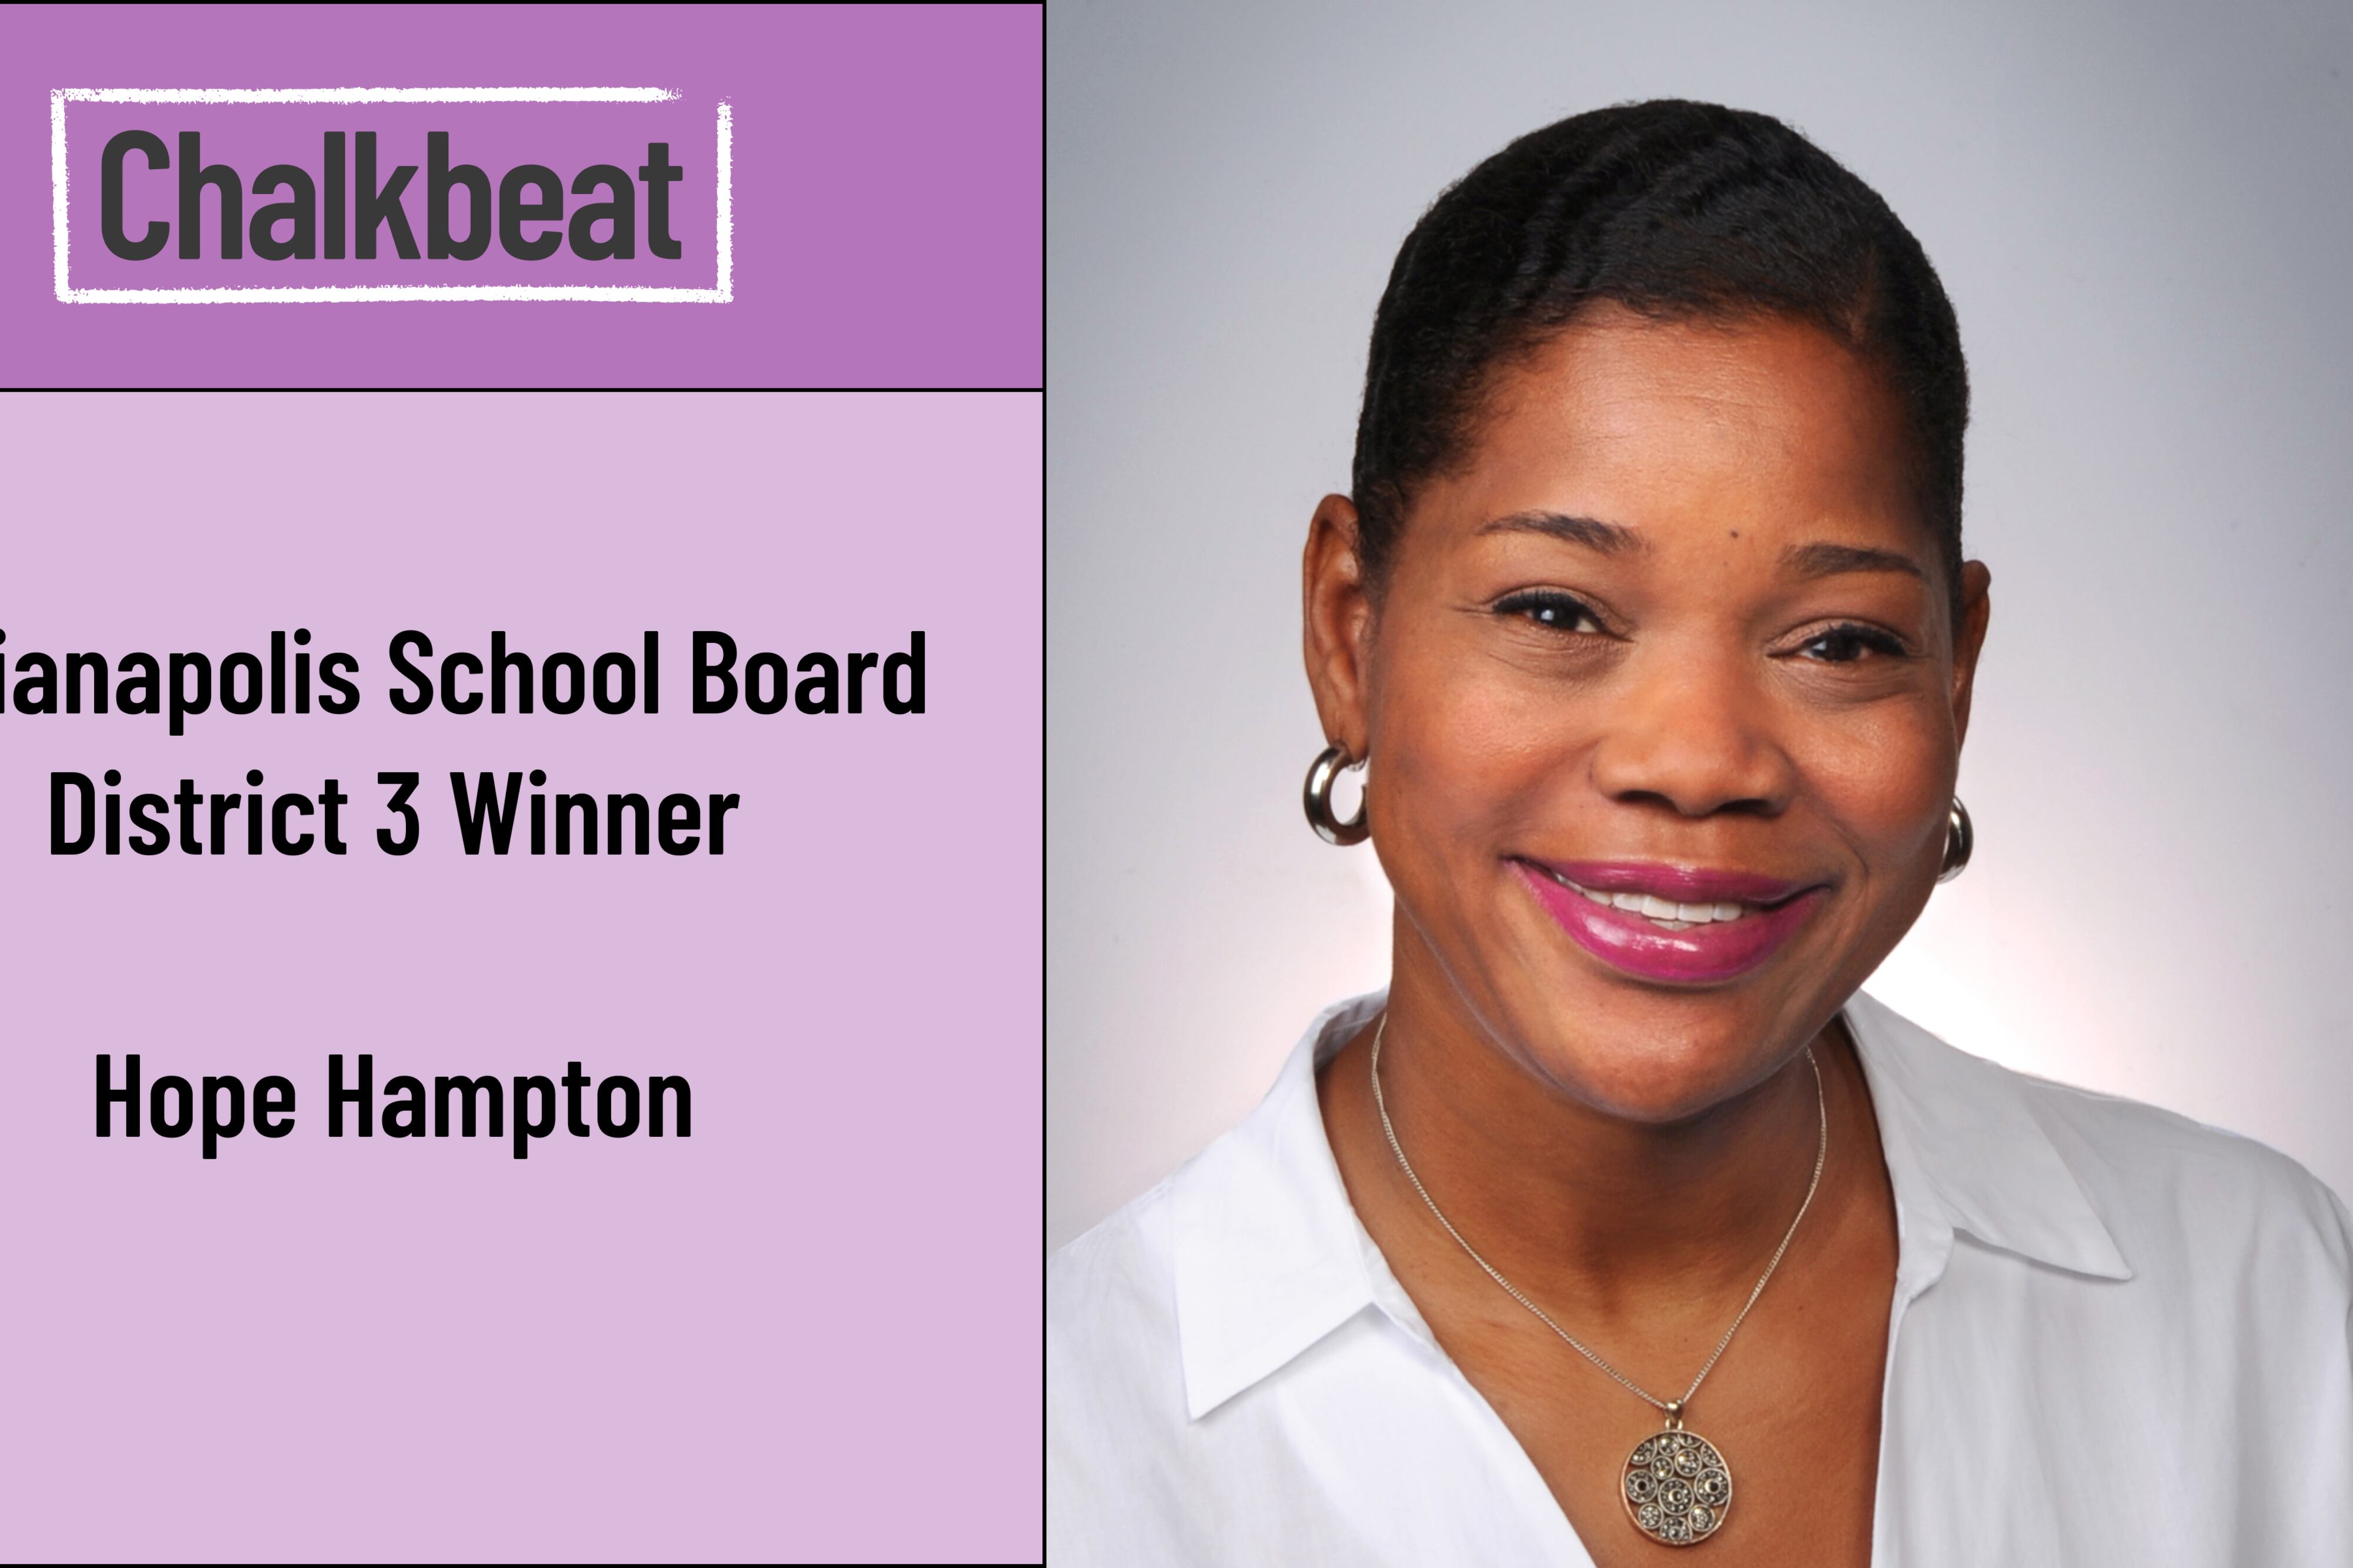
(1666, 913)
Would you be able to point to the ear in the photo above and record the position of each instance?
(1969, 640)
(1336, 601)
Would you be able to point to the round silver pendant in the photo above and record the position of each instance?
(1677, 1488)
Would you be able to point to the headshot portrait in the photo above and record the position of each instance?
(1700, 679)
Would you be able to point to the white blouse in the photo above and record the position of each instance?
(2118, 1338)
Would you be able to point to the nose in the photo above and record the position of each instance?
(1694, 736)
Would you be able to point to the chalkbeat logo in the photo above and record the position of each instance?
(312, 219)
(364, 197)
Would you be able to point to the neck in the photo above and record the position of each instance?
(1573, 1203)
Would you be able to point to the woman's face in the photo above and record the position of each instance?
(1671, 636)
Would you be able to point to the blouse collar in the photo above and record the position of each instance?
(1271, 1257)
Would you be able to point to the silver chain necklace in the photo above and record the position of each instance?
(1676, 1486)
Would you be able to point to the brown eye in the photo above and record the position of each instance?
(1845, 644)
(1554, 611)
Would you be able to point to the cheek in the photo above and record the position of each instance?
(1885, 784)
(1467, 751)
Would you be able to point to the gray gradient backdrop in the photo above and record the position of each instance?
(2144, 217)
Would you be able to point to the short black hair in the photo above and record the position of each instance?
(1671, 209)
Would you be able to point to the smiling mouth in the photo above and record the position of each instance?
(1670, 923)
(1667, 914)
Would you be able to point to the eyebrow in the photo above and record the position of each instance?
(1609, 538)
(1816, 560)
(1832, 560)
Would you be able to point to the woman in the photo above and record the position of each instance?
(1622, 1222)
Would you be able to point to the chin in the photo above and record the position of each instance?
(1657, 1058)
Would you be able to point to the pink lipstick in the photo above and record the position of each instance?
(1677, 924)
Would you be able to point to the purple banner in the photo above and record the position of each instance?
(525, 196)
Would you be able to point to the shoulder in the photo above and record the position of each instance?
(1219, 1274)
(1115, 1413)
(2103, 1284)
(1201, 1290)
(1115, 1358)
(1111, 1301)
(2181, 1195)
(2180, 1200)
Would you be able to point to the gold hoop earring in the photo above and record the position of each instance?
(1318, 799)
(1960, 840)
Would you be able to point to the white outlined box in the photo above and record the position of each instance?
(360, 292)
